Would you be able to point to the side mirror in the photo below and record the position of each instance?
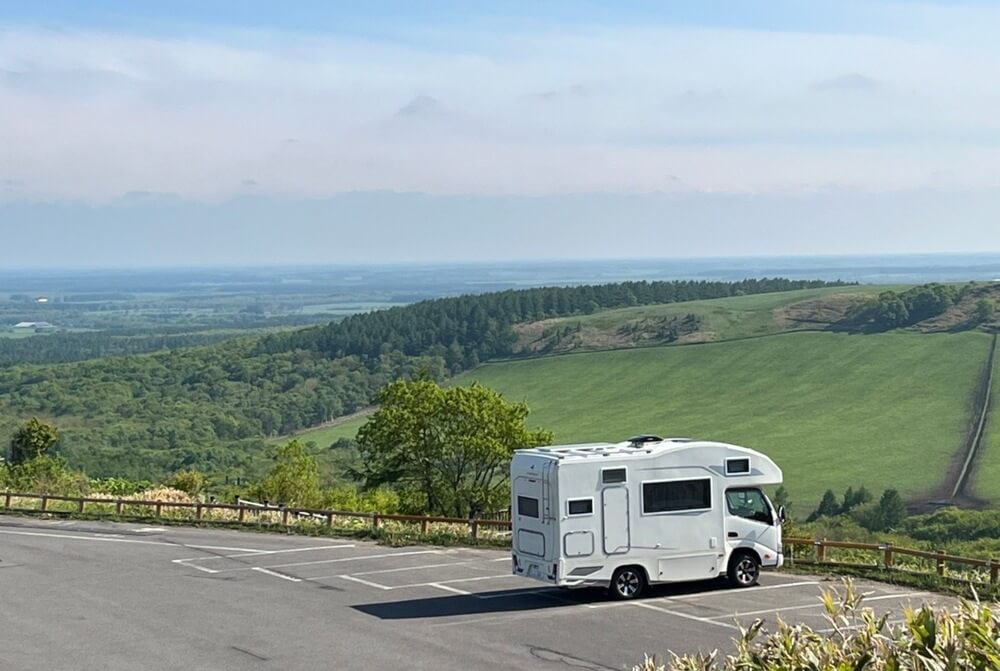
(781, 513)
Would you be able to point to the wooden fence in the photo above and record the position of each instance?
(887, 557)
(797, 550)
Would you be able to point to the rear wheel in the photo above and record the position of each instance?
(744, 570)
(628, 582)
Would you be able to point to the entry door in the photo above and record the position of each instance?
(616, 527)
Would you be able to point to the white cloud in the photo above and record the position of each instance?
(607, 108)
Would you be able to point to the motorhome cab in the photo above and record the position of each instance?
(649, 510)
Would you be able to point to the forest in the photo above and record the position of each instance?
(212, 407)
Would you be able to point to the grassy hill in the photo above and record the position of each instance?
(986, 480)
(833, 410)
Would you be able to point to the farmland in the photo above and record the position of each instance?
(835, 410)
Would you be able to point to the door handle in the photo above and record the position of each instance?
(733, 534)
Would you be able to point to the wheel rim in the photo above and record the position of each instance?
(746, 571)
(628, 583)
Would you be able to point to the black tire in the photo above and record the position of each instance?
(628, 582)
(744, 569)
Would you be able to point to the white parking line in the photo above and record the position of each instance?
(818, 606)
(105, 539)
(276, 574)
(411, 568)
(438, 583)
(703, 620)
(195, 566)
(353, 579)
(255, 553)
(341, 559)
(448, 588)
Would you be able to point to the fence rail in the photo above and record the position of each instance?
(889, 557)
(817, 552)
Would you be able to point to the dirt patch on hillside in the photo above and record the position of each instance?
(827, 311)
(553, 336)
(962, 315)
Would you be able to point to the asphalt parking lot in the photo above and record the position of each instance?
(88, 595)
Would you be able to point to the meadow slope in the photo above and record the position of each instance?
(834, 410)
(985, 482)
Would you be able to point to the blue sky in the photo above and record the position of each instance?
(494, 110)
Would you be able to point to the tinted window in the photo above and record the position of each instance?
(661, 497)
(612, 476)
(737, 466)
(581, 507)
(749, 503)
(527, 506)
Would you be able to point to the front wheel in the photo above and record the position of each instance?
(628, 582)
(744, 570)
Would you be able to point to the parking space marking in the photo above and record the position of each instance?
(105, 539)
(255, 553)
(448, 588)
(411, 568)
(685, 616)
(359, 580)
(782, 609)
(334, 561)
(276, 574)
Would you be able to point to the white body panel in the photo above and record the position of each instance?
(686, 530)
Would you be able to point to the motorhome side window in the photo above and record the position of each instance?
(527, 506)
(749, 503)
(740, 466)
(676, 495)
(580, 507)
(613, 476)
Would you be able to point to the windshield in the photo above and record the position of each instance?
(750, 504)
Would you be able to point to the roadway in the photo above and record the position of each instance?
(89, 595)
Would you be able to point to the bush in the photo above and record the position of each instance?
(118, 486)
(46, 475)
(930, 639)
(188, 480)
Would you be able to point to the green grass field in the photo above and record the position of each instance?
(986, 479)
(833, 410)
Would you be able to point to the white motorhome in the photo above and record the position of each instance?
(649, 510)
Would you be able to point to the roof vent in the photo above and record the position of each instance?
(636, 441)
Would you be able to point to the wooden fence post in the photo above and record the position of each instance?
(6, 500)
(474, 528)
(329, 520)
(284, 516)
(994, 571)
(375, 521)
(158, 509)
(118, 506)
(197, 510)
(79, 506)
(940, 564)
(243, 510)
(423, 524)
(45, 503)
(887, 561)
(821, 551)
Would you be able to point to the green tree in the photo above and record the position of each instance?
(188, 480)
(453, 446)
(986, 308)
(891, 508)
(294, 480)
(828, 507)
(32, 440)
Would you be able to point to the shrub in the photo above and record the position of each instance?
(188, 480)
(46, 475)
(930, 639)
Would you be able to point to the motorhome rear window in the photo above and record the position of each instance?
(527, 506)
(613, 476)
(739, 466)
(581, 506)
(663, 497)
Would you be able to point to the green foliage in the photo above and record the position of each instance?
(350, 498)
(452, 445)
(986, 309)
(887, 514)
(893, 310)
(294, 479)
(34, 439)
(116, 486)
(856, 639)
(828, 507)
(188, 480)
(46, 475)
